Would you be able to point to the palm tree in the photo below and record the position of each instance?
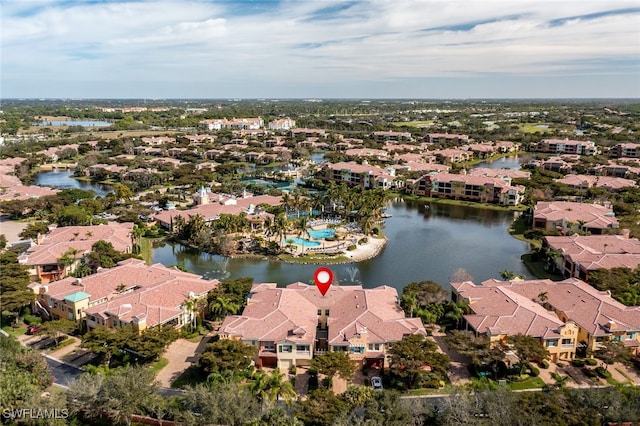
(191, 305)
(272, 387)
(222, 306)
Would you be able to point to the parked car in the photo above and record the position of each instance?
(376, 382)
(33, 329)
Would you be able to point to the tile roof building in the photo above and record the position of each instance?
(132, 293)
(567, 216)
(564, 315)
(290, 325)
(43, 259)
(581, 254)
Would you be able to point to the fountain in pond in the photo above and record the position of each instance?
(352, 271)
(221, 271)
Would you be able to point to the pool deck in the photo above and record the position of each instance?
(362, 252)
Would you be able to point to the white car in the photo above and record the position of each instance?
(376, 382)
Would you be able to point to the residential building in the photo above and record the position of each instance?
(566, 316)
(566, 146)
(44, 258)
(584, 182)
(628, 150)
(282, 124)
(234, 123)
(364, 175)
(578, 255)
(486, 189)
(131, 293)
(446, 138)
(567, 216)
(290, 325)
(392, 136)
(212, 205)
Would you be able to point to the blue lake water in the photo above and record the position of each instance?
(424, 244)
(63, 179)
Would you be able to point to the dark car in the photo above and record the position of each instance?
(376, 382)
(33, 329)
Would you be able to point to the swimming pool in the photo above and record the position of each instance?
(301, 242)
(318, 234)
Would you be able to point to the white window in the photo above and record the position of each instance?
(285, 348)
(552, 343)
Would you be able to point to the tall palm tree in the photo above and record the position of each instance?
(191, 305)
(222, 306)
(272, 387)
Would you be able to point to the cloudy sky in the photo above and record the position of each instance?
(319, 49)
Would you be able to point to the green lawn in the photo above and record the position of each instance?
(159, 365)
(15, 332)
(517, 229)
(530, 383)
(535, 128)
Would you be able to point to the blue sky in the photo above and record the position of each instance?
(319, 49)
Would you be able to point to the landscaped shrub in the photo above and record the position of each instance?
(292, 370)
(591, 361)
(577, 363)
(352, 247)
(535, 372)
(363, 241)
(544, 364)
(589, 372)
(533, 234)
(32, 320)
(600, 371)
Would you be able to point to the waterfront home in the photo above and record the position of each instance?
(578, 255)
(485, 189)
(212, 205)
(567, 216)
(131, 293)
(481, 150)
(552, 164)
(566, 316)
(365, 175)
(11, 188)
(566, 146)
(290, 325)
(58, 252)
(504, 147)
(506, 174)
(452, 155)
(584, 182)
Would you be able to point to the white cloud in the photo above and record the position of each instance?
(367, 42)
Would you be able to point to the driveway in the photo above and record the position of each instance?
(458, 372)
(181, 354)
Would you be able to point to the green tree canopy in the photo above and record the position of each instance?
(226, 354)
(331, 363)
(410, 355)
(14, 279)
